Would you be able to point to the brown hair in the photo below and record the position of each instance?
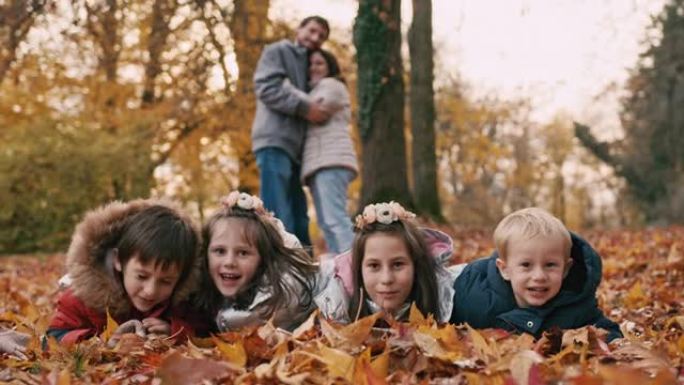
(317, 19)
(160, 235)
(333, 66)
(424, 291)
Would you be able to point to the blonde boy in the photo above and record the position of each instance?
(540, 276)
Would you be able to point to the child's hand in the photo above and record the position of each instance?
(14, 343)
(156, 326)
(131, 326)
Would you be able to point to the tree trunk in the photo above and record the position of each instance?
(103, 25)
(377, 37)
(16, 19)
(162, 12)
(248, 26)
(422, 103)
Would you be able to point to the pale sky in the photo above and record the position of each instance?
(560, 53)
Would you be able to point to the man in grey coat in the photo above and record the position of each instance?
(280, 123)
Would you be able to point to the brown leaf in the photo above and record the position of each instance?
(176, 369)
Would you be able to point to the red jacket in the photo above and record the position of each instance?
(73, 321)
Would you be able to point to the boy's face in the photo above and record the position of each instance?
(147, 285)
(312, 35)
(535, 268)
(233, 261)
(387, 271)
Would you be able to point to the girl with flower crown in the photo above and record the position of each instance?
(253, 270)
(391, 265)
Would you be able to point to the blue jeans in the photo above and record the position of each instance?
(282, 192)
(329, 189)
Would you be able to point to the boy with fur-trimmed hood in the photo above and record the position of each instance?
(136, 260)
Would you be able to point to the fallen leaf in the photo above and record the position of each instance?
(232, 352)
(178, 370)
(522, 363)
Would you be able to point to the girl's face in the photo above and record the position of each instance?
(387, 271)
(318, 67)
(233, 261)
(147, 285)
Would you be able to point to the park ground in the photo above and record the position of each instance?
(642, 289)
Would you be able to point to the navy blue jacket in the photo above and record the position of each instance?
(483, 299)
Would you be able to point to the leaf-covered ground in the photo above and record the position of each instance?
(642, 289)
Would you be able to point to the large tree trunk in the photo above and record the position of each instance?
(248, 26)
(377, 37)
(422, 103)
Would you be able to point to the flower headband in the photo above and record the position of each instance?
(245, 202)
(384, 213)
(251, 202)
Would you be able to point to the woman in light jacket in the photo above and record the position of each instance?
(329, 160)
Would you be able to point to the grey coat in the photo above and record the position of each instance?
(279, 119)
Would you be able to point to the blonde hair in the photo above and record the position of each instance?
(527, 224)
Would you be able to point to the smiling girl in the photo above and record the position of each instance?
(253, 270)
(392, 264)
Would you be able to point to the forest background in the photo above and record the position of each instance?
(114, 99)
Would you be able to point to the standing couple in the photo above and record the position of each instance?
(300, 134)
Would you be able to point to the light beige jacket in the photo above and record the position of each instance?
(329, 144)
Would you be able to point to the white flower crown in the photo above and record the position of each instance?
(384, 213)
(245, 202)
(253, 203)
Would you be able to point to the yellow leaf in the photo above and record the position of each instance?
(446, 335)
(365, 373)
(110, 329)
(480, 344)
(289, 378)
(416, 318)
(339, 363)
(636, 297)
(474, 378)
(281, 350)
(380, 364)
(64, 377)
(30, 313)
(350, 335)
(233, 353)
(430, 345)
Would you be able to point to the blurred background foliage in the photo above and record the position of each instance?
(113, 99)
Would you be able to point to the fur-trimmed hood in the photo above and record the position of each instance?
(89, 259)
